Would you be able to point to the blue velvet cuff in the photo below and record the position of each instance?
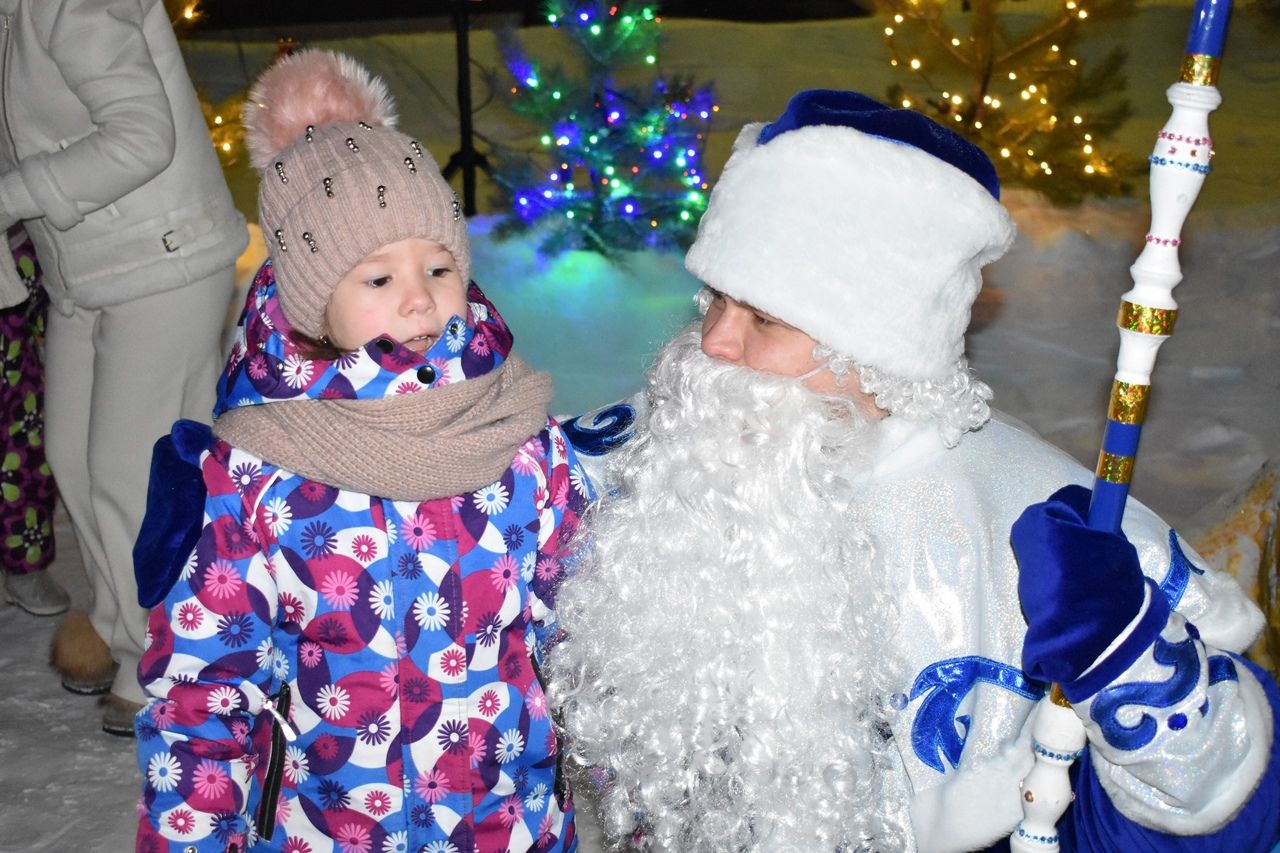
(175, 510)
(1123, 656)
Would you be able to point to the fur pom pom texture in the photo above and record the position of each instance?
(310, 88)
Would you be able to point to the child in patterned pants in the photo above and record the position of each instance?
(27, 492)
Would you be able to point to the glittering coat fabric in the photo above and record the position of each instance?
(940, 519)
(398, 638)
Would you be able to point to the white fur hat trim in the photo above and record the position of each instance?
(871, 247)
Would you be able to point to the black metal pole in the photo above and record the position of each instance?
(466, 158)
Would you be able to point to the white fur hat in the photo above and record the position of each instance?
(869, 240)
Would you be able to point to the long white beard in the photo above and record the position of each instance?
(725, 654)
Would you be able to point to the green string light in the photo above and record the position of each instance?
(627, 148)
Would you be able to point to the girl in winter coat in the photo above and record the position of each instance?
(344, 658)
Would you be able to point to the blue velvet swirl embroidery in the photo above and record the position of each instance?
(609, 429)
(1222, 668)
(1174, 585)
(1184, 659)
(938, 730)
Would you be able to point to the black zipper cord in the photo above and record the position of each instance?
(275, 768)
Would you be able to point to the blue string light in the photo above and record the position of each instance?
(623, 176)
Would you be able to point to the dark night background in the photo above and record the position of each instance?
(227, 14)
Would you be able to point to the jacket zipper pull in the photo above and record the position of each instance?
(286, 728)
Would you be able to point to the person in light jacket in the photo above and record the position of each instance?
(106, 159)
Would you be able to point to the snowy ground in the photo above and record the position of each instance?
(64, 785)
(1043, 338)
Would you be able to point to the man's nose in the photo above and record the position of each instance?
(722, 337)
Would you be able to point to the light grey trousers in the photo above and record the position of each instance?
(116, 380)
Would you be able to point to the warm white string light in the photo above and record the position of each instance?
(1036, 117)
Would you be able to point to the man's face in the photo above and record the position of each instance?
(741, 334)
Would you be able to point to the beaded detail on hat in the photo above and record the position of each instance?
(343, 150)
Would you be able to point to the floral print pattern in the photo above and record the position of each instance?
(27, 491)
(403, 631)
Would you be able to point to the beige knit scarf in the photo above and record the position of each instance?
(431, 444)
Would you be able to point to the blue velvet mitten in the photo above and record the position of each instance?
(1080, 588)
(1180, 734)
(175, 510)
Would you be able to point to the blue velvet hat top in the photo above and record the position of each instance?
(851, 109)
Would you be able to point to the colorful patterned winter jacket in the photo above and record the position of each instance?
(399, 639)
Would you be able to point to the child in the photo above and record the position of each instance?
(346, 660)
(27, 490)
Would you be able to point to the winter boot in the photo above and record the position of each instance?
(118, 714)
(36, 593)
(81, 657)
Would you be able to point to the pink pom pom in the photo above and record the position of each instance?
(310, 87)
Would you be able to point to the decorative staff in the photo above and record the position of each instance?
(1179, 164)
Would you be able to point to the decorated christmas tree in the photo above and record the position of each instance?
(615, 166)
(1006, 74)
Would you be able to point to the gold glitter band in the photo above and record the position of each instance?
(1147, 320)
(1114, 469)
(1200, 69)
(1056, 697)
(1128, 402)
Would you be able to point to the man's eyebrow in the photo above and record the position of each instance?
(772, 319)
(758, 311)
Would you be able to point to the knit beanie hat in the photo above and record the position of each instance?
(338, 180)
(865, 227)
